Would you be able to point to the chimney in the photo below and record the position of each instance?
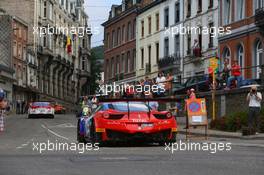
(113, 11)
(123, 5)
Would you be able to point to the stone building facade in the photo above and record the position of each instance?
(56, 73)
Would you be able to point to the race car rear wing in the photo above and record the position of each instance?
(127, 100)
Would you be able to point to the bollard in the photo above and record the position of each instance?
(1, 121)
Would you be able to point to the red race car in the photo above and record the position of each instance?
(124, 121)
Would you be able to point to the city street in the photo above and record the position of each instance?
(18, 157)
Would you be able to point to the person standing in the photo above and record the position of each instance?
(3, 107)
(236, 75)
(254, 98)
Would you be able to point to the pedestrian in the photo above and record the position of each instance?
(168, 84)
(226, 71)
(160, 80)
(254, 98)
(236, 75)
(3, 107)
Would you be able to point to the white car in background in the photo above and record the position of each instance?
(41, 109)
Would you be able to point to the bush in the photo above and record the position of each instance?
(234, 122)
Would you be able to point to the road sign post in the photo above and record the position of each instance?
(213, 66)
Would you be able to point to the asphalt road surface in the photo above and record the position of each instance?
(20, 153)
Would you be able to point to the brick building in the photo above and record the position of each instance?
(19, 43)
(245, 43)
(120, 41)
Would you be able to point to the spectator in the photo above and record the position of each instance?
(94, 102)
(160, 80)
(168, 84)
(254, 98)
(236, 75)
(226, 70)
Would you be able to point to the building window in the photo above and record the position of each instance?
(188, 9)
(211, 4)
(129, 31)
(142, 58)
(133, 60)
(258, 59)
(177, 45)
(51, 11)
(142, 28)
(118, 36)
(211, 35)
(149, 25)
(128, 62)
(123, 63)
(45, 41)
(45, 9)
(123, 33)
(227, 11)
(240, 56)
(113, 38)
(112, 67)
(200, 6)
(107, 44)
(200, 38)
(166, 17)
(83, 63)
(149, 55)
(240, 9)
(15, 49)
(157, 53)
(166, 47)
(177, 12)
(134, 28)
(117, 64)
(258, 4)
(189, 42)
(157, 22)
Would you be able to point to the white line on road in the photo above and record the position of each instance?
(114, 158)
(54, 133)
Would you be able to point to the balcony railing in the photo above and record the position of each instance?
(259, 17)
(172, 60)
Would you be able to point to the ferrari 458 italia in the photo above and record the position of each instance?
(123, 121)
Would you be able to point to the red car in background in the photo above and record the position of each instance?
(59, 109)
(41, 109)
(123, 121)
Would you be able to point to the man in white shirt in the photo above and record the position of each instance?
(254, 98)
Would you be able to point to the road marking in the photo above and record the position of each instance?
(114, 158)
(54, 133)
(64, 125)
(25, 144)
(19, 147)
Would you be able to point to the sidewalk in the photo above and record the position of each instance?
(199, 131)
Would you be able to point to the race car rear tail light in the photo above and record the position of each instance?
(115, 116)
(163, 116)
(106, 115)
(160, 116)
(169, 115)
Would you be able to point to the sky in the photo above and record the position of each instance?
(98, 11)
